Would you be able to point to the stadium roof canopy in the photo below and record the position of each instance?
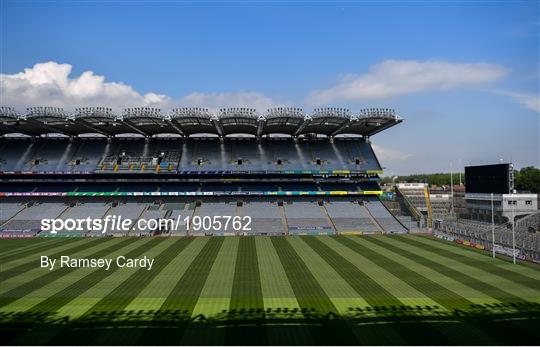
(186, 121)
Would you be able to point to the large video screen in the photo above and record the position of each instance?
(488, 179)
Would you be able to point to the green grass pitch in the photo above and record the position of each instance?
(340, 290)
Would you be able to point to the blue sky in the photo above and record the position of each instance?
(464, 75)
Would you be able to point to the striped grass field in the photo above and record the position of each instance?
(340, 290)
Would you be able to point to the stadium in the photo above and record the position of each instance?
(262, 228)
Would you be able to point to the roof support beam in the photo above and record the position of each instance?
(46, 126)
(341, 127)
(172, 125)
(302, 126)
(137, 130)
(219, 127)
(260, 127)
(89, 126)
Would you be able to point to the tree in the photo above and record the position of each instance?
(527, 179)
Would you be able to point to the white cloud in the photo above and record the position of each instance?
(50, 84)
(241, 99)
(528, 100)
(398, 77)
(388, 154)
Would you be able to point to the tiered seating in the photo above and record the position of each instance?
(325, 157)
(414, 192)
(409, 222)
(14, 154)
(481, 233)
(305, 217)
(93, 210)
(79, 212)
(127, 163)
(207, 154)
(170, 160)
(212, 209)
(283, 151)
(152, 212)
(174, 210)
(349, 217)
(383, 217)
(204, 155)
(359, 155)
(265, 218)
(8, 210)
(128, 210)
(52, 156)
(30, 218)
(440, 204)
(251, 155)
(90, 152)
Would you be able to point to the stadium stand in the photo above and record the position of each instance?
(405, 213)
(292, 172)
(432, 204)
(526, 233)
(266, 218)
(152, 212)
(211, 210)
(381, 214)
(177, 212)
(29, 219)
(196, 154)
(306, 218)
(8, 210)
(349, 217)
(128, 211)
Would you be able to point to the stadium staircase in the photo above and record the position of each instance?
(63, 212)
(196, 210)
(135, 221)
(33, 156)
(284, 219)
(15, 215)
(64, 159)
(328, 219)
(240, 210)
(429, 209)
(408, 206)
(373, 219)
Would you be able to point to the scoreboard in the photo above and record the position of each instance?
(497, 179)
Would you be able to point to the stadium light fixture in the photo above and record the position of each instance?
(492, 227)
(514, 228)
